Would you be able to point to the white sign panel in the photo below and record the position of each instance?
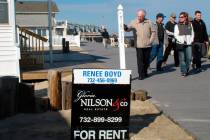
(101, 76)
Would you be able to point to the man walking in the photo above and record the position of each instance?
(201, 40)
(105, 36)
(171, 40)
(161, 39)
(144, 34)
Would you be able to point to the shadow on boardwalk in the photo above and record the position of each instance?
(167, 69)
(70, 60)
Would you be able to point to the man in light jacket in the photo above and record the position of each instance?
(144, 34)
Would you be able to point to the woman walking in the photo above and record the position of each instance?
(184, 35)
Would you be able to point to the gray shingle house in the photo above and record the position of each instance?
(34, 16)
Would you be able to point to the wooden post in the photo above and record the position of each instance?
(132, 95)
(29, 43)
(54, 89)
(42, 52)
(63, 44)
(42, 104)
(8, 96)
(66, 95)
(141, 95)
(26, 99)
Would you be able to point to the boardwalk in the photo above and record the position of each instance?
(186, 100)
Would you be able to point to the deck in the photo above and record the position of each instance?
(63, 62)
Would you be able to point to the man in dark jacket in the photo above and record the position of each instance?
(105, 36)
(201, 40)
(162, 39)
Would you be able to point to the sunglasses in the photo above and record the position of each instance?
(181, 17)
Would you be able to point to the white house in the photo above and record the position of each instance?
(9, 51)
(62, 31)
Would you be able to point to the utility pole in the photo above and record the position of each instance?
(50, 30)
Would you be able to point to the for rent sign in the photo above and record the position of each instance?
(100, 104)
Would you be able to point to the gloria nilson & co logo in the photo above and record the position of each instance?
(89, 99)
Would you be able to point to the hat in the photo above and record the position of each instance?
(173, 15)
(160, 15)
(190, 19)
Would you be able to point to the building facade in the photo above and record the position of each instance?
(33, 15)
(9, 46)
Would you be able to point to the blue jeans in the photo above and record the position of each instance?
(157, 51)
(185, 57)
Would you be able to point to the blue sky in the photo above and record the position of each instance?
(104, 12)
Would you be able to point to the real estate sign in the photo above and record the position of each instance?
(100, 104)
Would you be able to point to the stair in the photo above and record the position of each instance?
(32, 50)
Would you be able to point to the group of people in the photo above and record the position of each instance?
(186, 37)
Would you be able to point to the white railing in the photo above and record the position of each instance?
(74, 40)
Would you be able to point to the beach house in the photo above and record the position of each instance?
(33, 15)
(9, 43)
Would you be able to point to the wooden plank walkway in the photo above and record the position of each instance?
(41, 74)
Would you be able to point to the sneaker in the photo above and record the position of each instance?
(164, 64)
(149, 68)
(176, 65)
(193, 66)
(187, 73)
(200, 70)
(159, 69)
(146, 75)
(140, 78)
(183, 74)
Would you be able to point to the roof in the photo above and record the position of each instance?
(34, 7)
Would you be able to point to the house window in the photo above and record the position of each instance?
(44, 32)
(39, 31)
(4, 11)
(33, 30)
(59, 31)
